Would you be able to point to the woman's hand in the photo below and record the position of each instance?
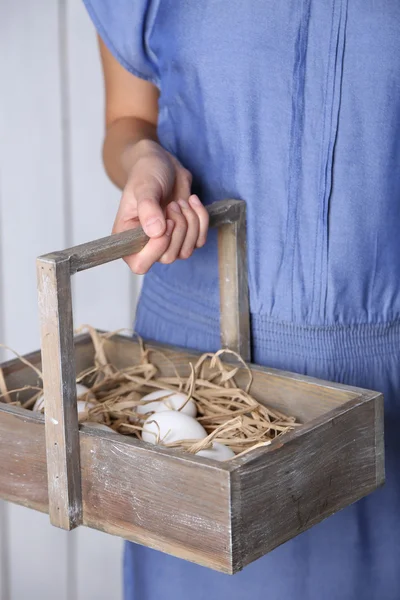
(158, 197)
(155, 187)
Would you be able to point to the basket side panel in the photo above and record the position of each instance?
(161, 501)
(18, 374)
(285, 491)
(177, 506)
(23, 472)
(303, 397)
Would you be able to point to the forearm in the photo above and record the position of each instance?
(119, 146)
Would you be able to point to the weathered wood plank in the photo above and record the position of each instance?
(233, 287)
(379, 441)
(306, 478)
(162, 501)
(33, 221)
(4, 551)
(18, 373)
(113, 247)
(147, 495)
(59, 375)
(94, 558)
(23, 475)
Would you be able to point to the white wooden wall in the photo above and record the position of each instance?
(53, 194)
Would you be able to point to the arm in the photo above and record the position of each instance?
(131, 113)
(156, 187)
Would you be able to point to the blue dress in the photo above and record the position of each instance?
(294, 107)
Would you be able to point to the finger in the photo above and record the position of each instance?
(174, 212)
(183, 184)
(148, 195)
(193, 226)
(204, 219)
(141, 262)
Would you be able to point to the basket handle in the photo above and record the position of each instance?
(58, 354)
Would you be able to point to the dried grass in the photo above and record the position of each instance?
(228, 412)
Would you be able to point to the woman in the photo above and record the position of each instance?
(295, 108)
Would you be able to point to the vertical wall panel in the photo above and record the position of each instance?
(53, 193)
(30, 158)
(4, 530)
(38, 557)
(4, 553)
(98, 566)
(102, 296)
(32, 222)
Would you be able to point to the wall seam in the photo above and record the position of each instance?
(66, 190)
(4, 528)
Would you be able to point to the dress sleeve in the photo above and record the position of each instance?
(125, 27)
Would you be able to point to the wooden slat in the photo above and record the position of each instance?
(30, 135)
(306, 478)
(113, 247)
(23, 475)
(4, 552)
(59, 373)
(32, 221)
(39, 551)
(16, 371)
(96, 292)
(234, 300)
(100, 296)
(144, 494)
(165, 502)
(4, 515)
(379, 441)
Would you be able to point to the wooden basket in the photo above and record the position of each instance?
(221, 515)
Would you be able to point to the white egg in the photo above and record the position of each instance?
(80, 390)
(171, 426)
(170, 401)
(217, 452)
(39, 403)
(84, 405)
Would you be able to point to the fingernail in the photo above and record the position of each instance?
(175, 207)
(195, 200)
(183, 203)
(153, 226)
(170, 226)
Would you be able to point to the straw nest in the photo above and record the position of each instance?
(229, 413)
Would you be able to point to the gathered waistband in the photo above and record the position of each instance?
(326, 342)
(331, 342)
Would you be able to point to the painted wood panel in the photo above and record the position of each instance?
(4, 553)
(32, 220)
(53, 193)
(102, 296)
